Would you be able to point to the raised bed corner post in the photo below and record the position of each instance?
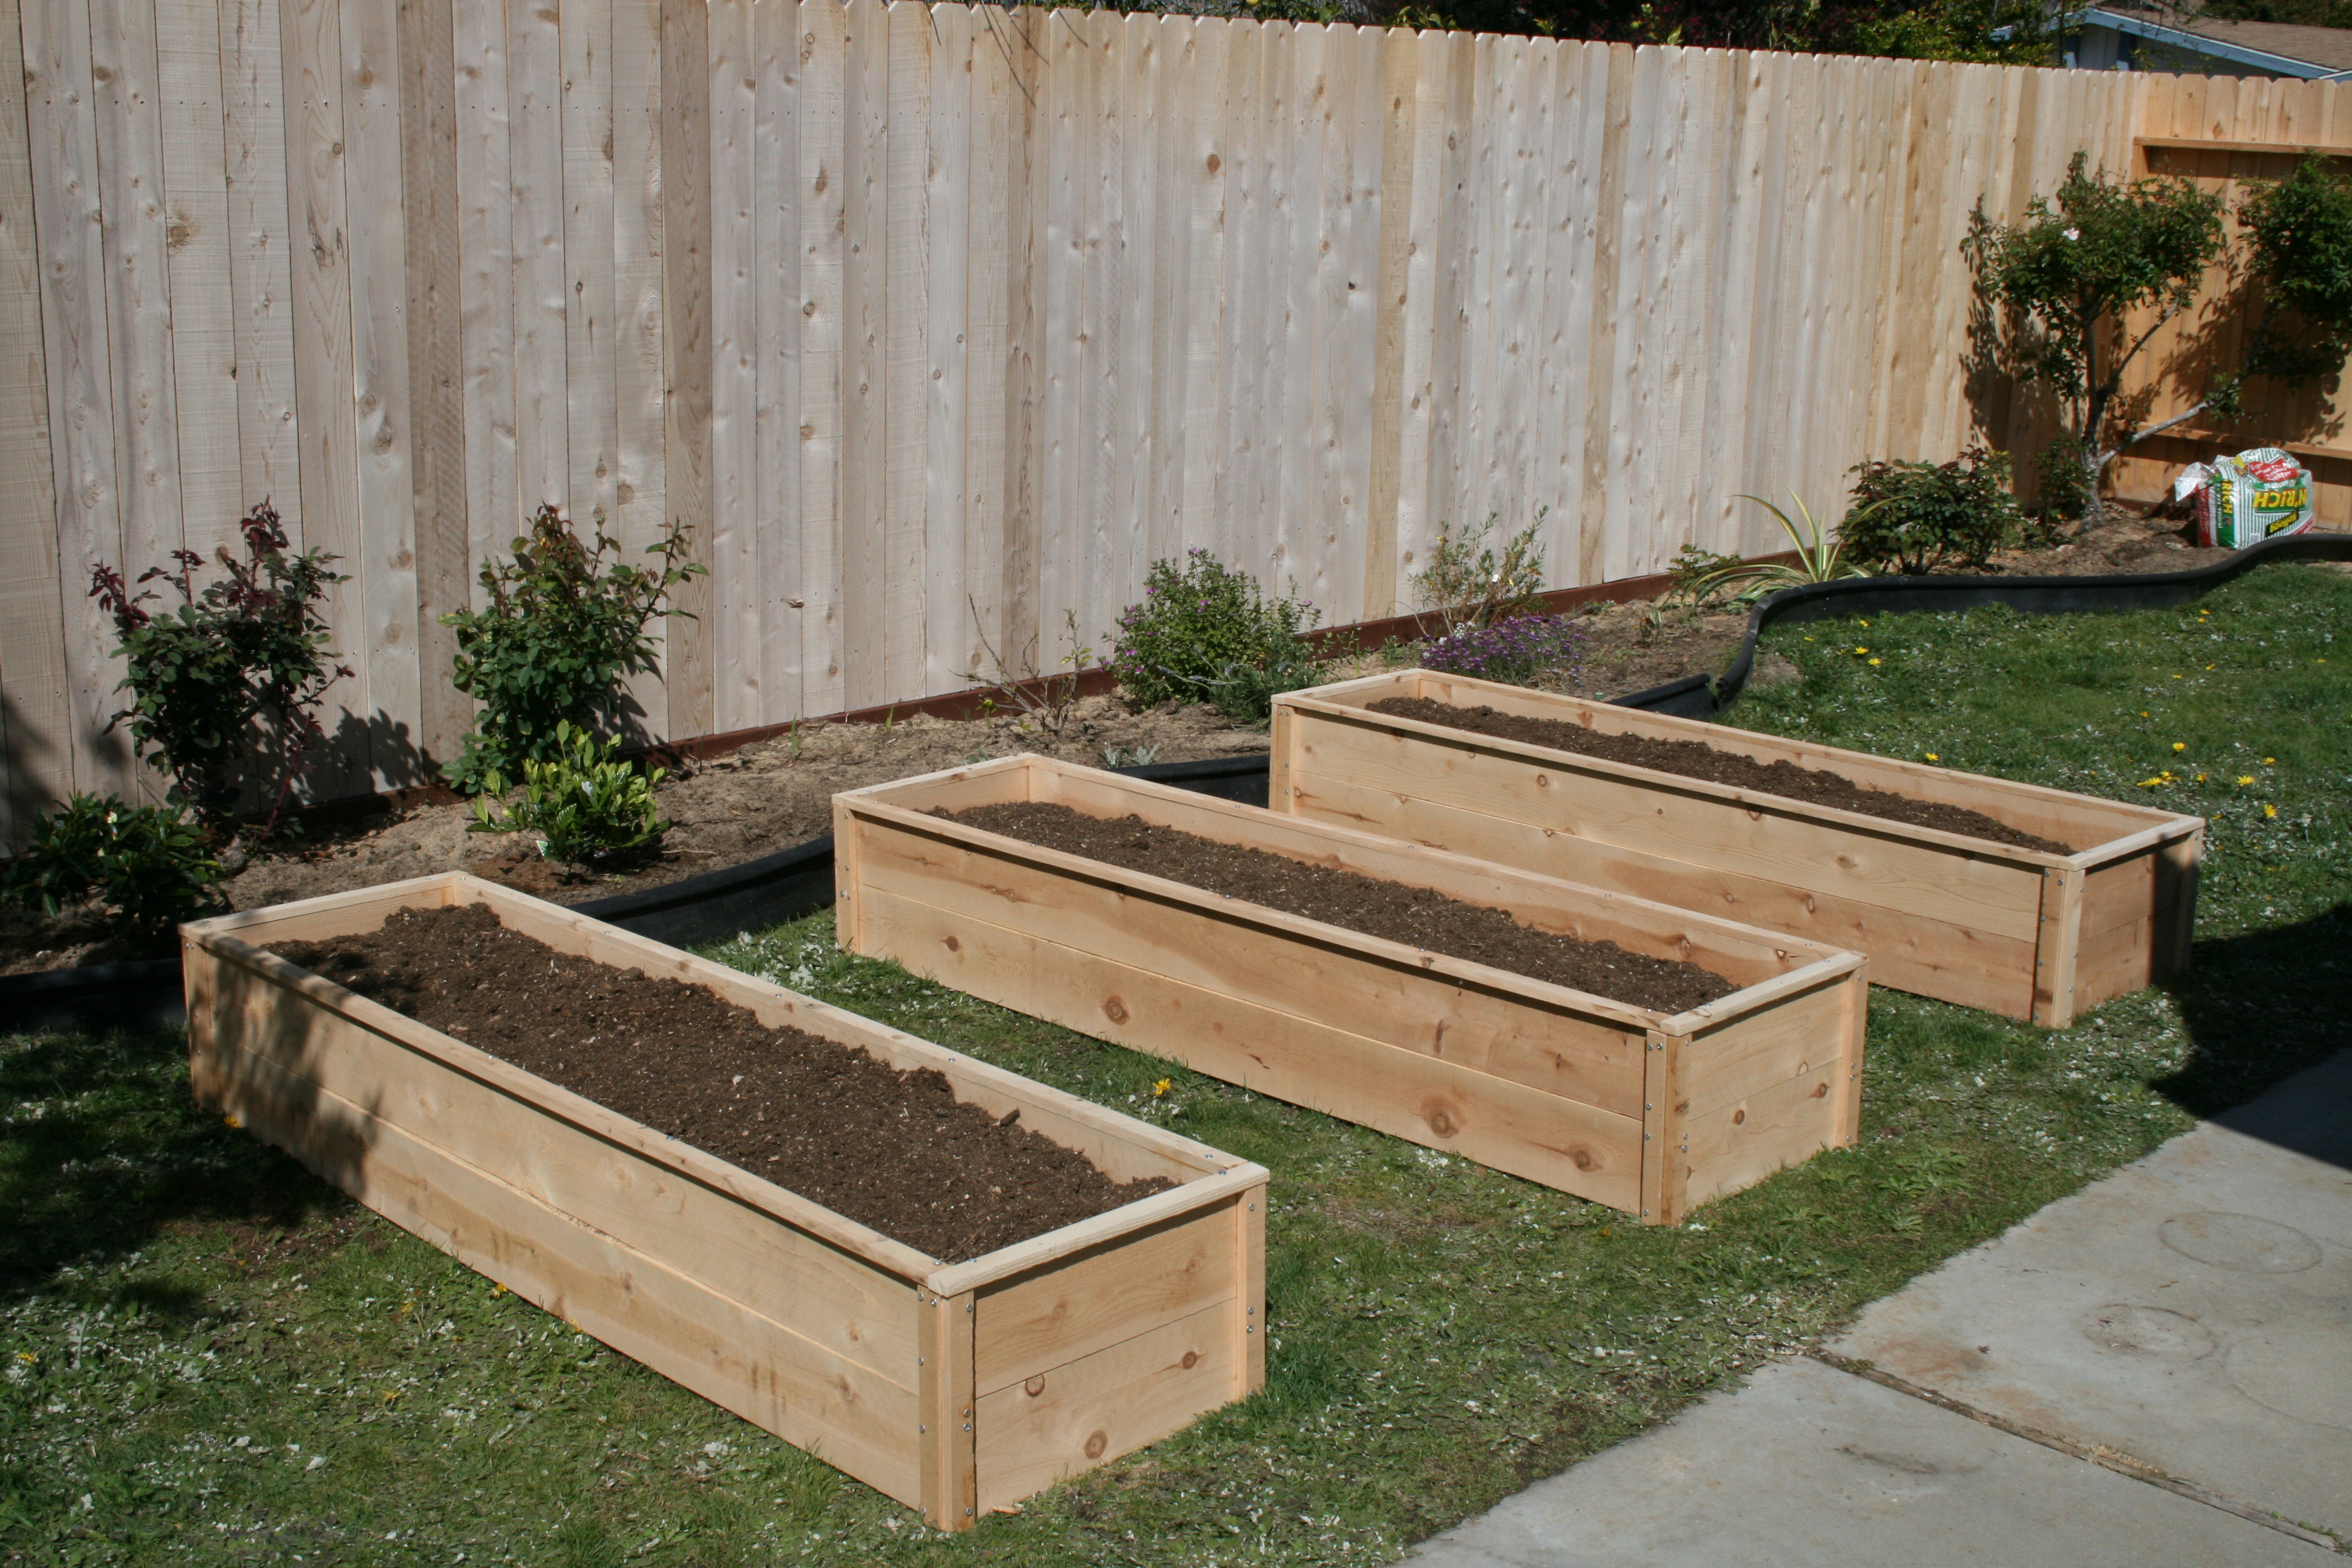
(950, 1457)
(2177, 863)
(1666, 1137)
(2058, 939)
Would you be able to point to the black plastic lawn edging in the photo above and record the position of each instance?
(1703, 696)
(713, 906)
(798, 881)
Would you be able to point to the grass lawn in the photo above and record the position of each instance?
(206, 1355)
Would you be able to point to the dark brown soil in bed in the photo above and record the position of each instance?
(894, 1150)
(1697, 760)
(1416, 916)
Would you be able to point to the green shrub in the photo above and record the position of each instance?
(225, 688)
(2065, 487)
(148, 865)
(584, 805)
(551, 647)
(1911, 519)
(1470, 582)
(1206, 633)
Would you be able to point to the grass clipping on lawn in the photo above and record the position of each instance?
(231, 1361)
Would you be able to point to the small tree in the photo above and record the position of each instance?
(549, 648)
(2090, 278)
(225, 685)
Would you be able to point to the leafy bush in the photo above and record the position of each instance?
(1913, 518)
(1206, 633)
(585, 805)
(227, 683)
(551, 647)
(2064, 488)
(147, 864)
(1470, 582)
(1518, 651)
(1698, 572)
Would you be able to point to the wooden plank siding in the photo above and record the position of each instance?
(937, 327)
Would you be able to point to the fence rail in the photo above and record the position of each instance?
(938, 324)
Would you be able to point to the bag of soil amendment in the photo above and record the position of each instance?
(2244, 500)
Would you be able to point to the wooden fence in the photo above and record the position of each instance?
(937, 325)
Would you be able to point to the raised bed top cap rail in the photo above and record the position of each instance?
(1765, 964)
(2106, 828)
(1205, 1175)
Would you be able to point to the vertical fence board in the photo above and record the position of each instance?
(384, 562)
(591, 298)
(260, 276)
(905, 361)
(36, 716)
(734, 434)
(686, 314)
(542, 287)
(640, 363)
(823, 191)
(494, 509)
(954, 159)
(204, 310)
(776, 493)
(865, 326)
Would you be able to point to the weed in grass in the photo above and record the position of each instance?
(188, 1325)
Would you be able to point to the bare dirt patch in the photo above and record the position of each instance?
(895, 1151)
(727, 810)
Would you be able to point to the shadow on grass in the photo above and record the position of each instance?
(2261, 1007)
(112, 1151)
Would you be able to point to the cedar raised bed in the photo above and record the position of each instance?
(954, 1389)
(2013, 930)
(1643, 1112)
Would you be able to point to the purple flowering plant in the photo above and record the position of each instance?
(1516, 652)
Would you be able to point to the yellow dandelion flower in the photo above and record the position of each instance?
(2268, 761)
(2176, 677)
(2269, 810)
(2245, 778)
(2200, 778)
(1862, 650)
(2143, 712)
(1162, 1087)
(2209, 666)
(2151, 783)
(1931, 756)
(2180, 745)
(1873, 661)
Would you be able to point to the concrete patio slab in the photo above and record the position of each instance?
(1809, 1466)
(2188, 1318)
(2194, 1310)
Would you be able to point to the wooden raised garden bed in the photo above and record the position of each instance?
(2016, 930)
(1647, 1113)
(955, 1389)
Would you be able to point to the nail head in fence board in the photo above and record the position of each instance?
(685, 342)
(32, 637)
(817, 1328)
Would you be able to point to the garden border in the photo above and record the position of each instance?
(799, 881)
